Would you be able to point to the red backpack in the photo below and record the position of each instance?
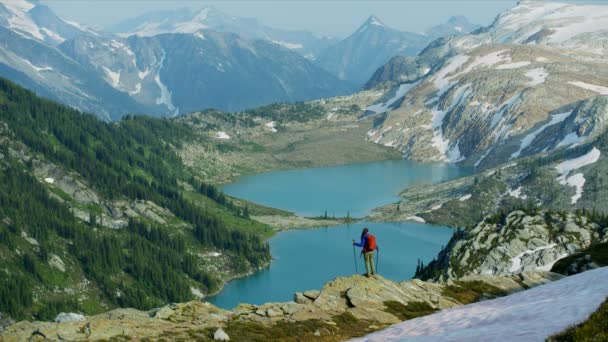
(370, 243)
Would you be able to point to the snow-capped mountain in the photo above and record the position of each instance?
(37, 21)
(162, 74)
(455, 26)
(177, 73)
(374, 43)
(534, 80)
(190, 21)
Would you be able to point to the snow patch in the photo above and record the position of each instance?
(143, 74)
(222, 135)
(415, 219)
(441, 79)
(137, 89)
(53, 35)
(570, 139)
(447, 152)
(488, 60)
(401, 91)
(515, 65)
(436, 207)
(517, 193)
(272, 126)
(516, 260)
(197, 293)
(598, 89)
(465, 197)
(113, 76)
(531, 315)
(37, 68)
(288, 45)
(50, 180)
(537, 76)
(573, 164)
(578, 180)
(165, 93)
(528, 139)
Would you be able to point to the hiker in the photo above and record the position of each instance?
(368, 243)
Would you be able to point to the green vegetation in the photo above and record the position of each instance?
(593, 329)
(597, 254)
(283, 112)
(409, 311)
(142, 266)
(467, 292)
(342, 327)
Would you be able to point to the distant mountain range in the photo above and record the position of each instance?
(354, 58)
(374, 43)
(190, 21)
(168, 63)
(164, 74)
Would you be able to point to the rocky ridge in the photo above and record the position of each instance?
(515, 243)
(370, 302)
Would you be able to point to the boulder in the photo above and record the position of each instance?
(274, 312)
(69, 317)
(311, 294)
(299, 298)
(220, 335)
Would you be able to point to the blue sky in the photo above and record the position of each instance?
(336, 18)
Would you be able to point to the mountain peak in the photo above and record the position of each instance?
(374, 20)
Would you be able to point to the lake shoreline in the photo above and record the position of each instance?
(340, 191)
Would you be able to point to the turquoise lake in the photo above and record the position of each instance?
(307, 259)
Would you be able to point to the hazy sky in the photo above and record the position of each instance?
(337, 18)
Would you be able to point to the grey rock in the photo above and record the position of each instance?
(220, 335)
(69, 317)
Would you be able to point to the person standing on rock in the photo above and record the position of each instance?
(368, 243)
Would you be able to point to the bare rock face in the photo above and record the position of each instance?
(522, 244)
(363, 298)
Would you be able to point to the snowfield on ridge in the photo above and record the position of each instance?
(531, 315)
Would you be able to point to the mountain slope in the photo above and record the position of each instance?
(177, 73)
(37, 21)
(108, 214)
(531, 315)
(51, 73)
(345, 307)
(358, 55)
(505, 92)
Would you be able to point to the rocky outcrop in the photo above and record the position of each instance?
(514, 244)
(365, 299)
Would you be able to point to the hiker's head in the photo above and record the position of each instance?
(365, 230)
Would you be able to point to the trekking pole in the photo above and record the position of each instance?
(377, 257)
(355, 257)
